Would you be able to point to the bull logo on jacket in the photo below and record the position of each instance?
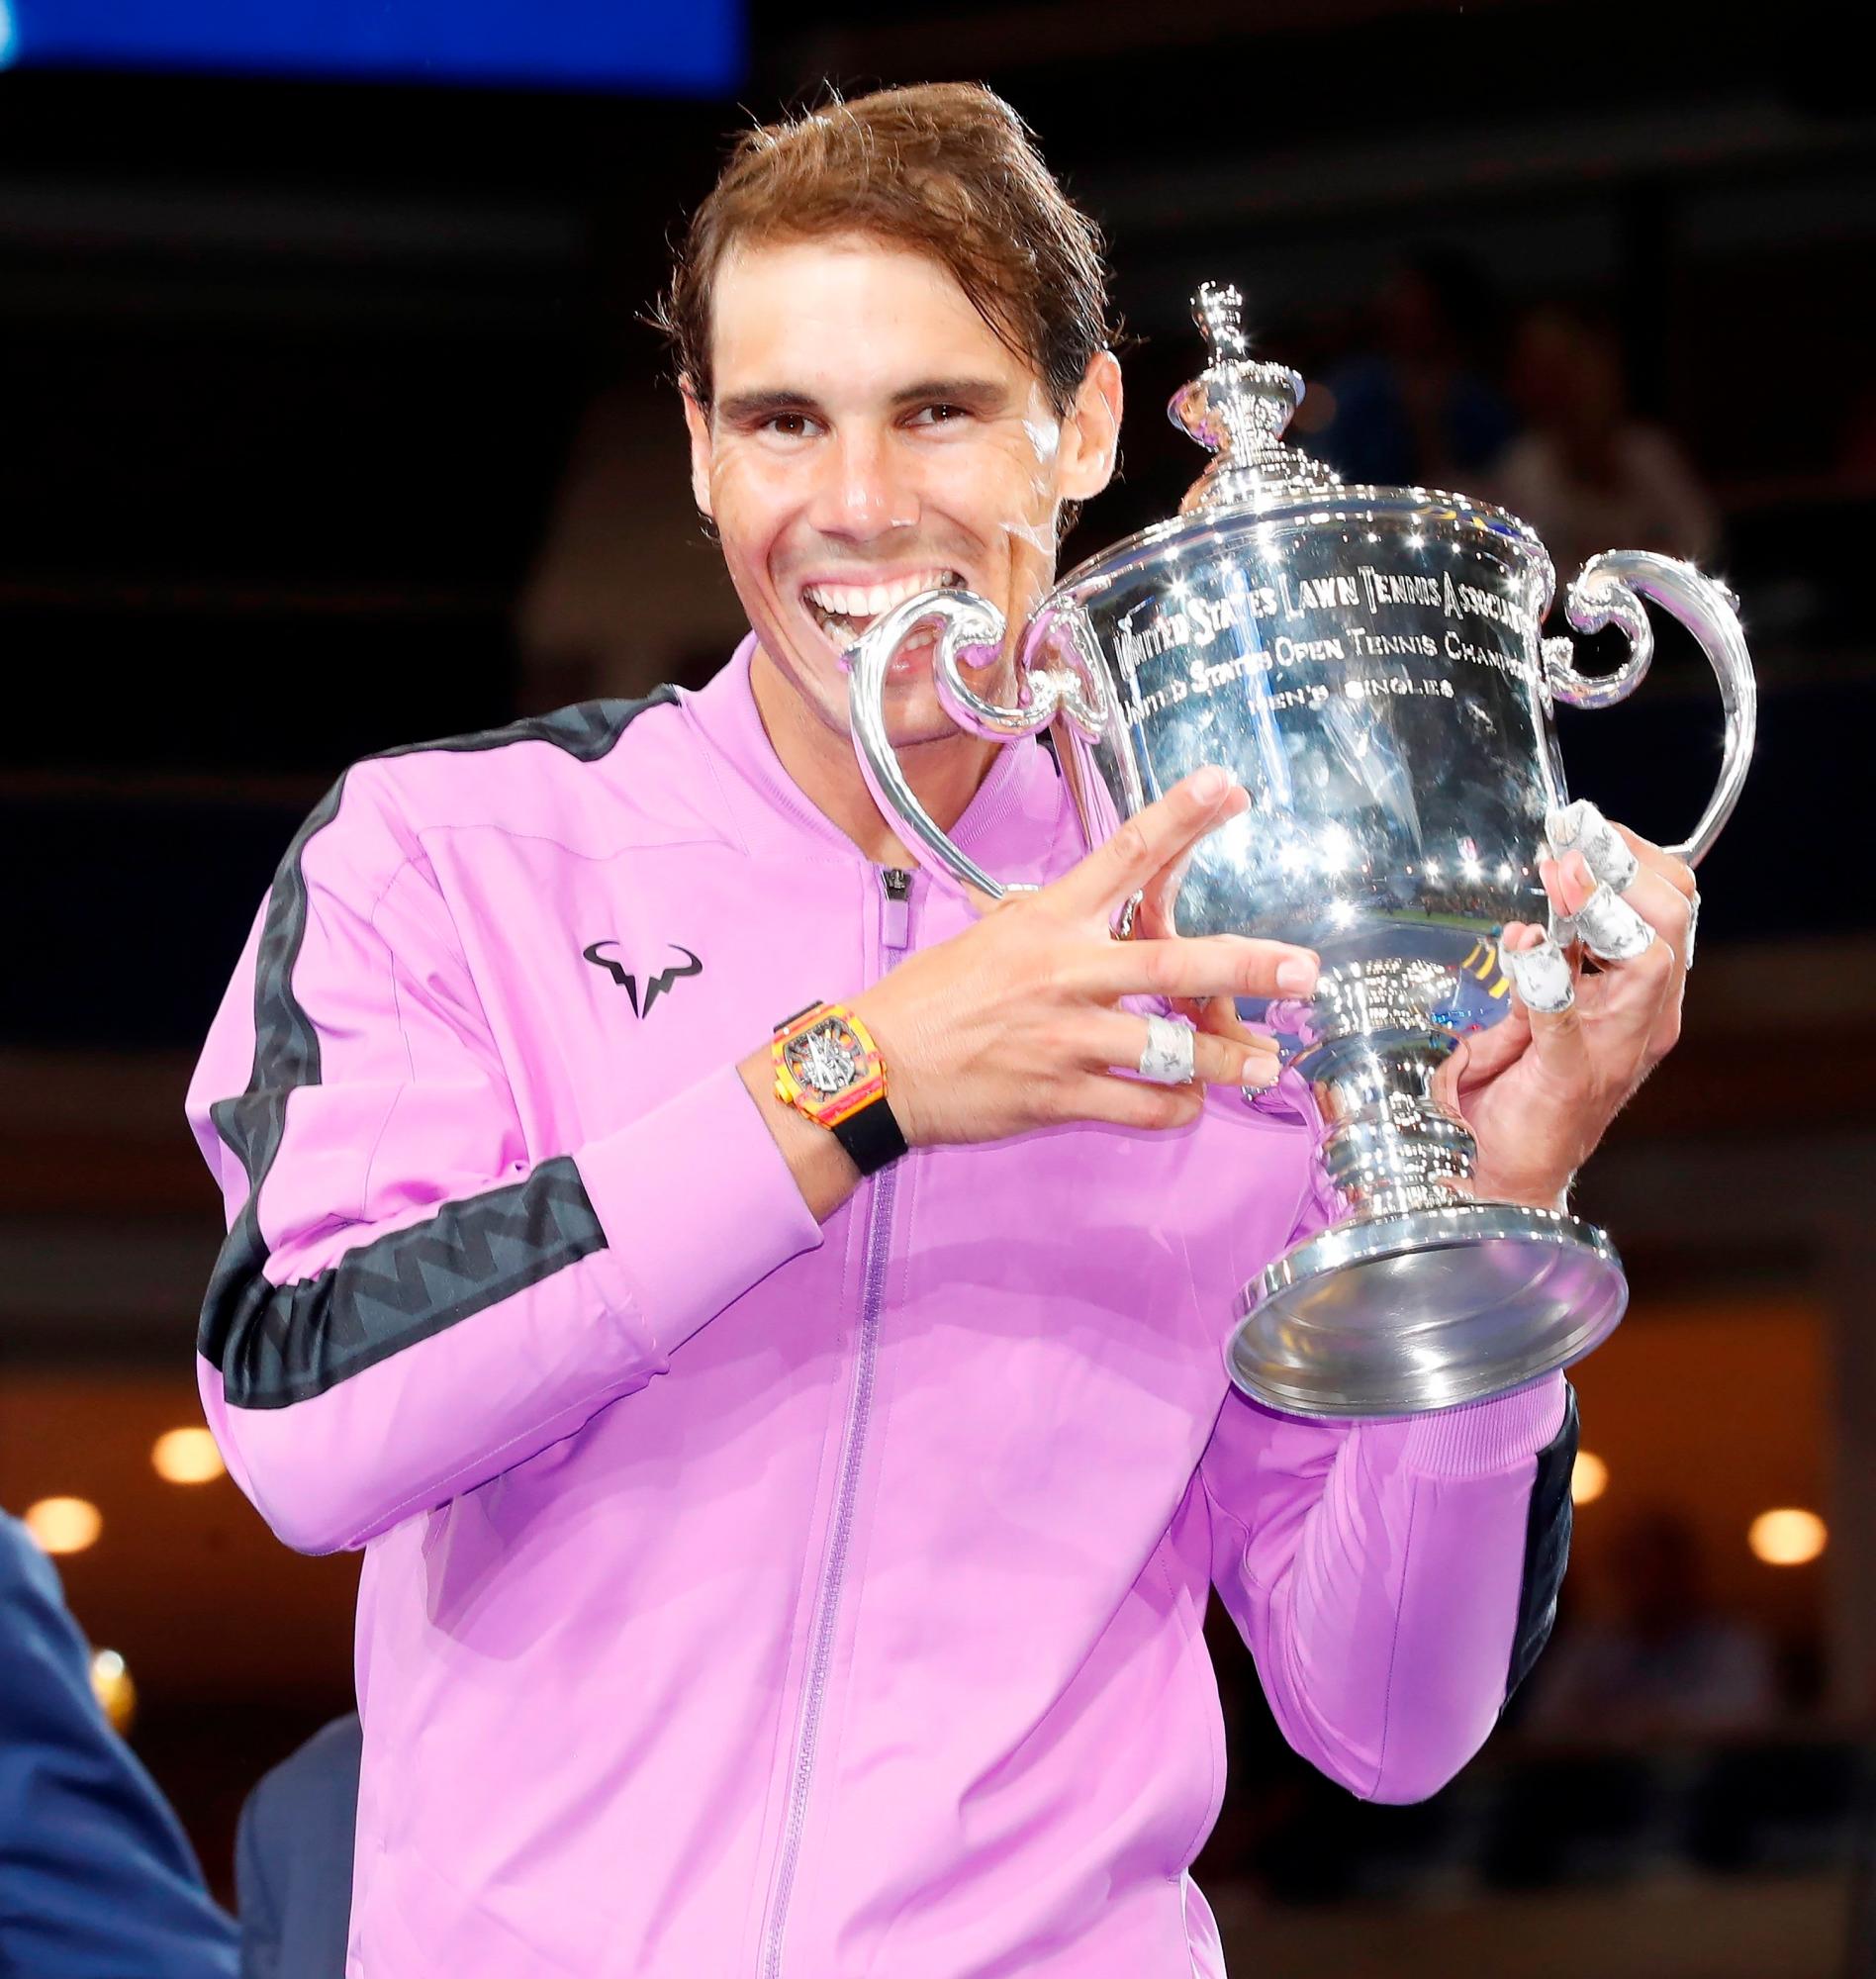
(655, 986)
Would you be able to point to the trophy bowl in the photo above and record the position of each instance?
(1368, 663)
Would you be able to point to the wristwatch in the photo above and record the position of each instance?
(828, 1067)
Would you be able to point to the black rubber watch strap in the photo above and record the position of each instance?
(872, 1135)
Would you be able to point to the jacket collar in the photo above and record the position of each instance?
(1008, 827)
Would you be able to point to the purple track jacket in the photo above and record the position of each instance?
(747, 1598)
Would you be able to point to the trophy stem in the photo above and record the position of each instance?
(1388, 1142)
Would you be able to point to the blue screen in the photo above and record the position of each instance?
(672, 46)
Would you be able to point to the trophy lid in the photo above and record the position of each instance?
(1239, 408)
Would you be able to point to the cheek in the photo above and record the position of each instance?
(751, 504)
(1002, 494)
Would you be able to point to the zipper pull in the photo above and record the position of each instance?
(896, 918)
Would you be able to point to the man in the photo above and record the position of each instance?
(97, 1879)
(293, 1858)
(773, 1569)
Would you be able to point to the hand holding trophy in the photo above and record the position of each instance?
(1367, 662)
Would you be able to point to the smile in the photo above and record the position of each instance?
(844, 611)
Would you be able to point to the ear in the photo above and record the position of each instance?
(1091, 434)
(697, 421)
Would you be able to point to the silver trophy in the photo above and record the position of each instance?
(1368, 663)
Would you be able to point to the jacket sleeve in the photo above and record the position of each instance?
(97, 1880)
(1394, 1578)
(408, 1301)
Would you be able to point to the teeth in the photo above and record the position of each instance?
(852, 600)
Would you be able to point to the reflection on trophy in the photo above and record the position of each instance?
(1368, 663)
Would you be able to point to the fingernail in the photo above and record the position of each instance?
(1261, 1073)
(1210, 784)
(1297, 974)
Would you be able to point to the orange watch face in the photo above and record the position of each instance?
(827, 1069)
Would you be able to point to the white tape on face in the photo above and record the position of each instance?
(1543, 976)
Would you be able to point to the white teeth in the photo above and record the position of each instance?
(850, 601)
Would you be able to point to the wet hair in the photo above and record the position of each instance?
(946, 169)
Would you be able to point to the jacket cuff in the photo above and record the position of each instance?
(697, 1203)
(1479, 1438)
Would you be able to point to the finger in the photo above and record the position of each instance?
(1657, 883)
(1219, 1015)
(1117, 1039)
(1213, 964)
(1550, 1009)
(1582, 827)
(1670, 866)
(1593, 913)
(1158, 898)
(1614, 852)
(1131, 1102)
(1665, 908)
(1456, 1074)
(1149, 840)
(1540, 973)
(1610, 928)
(1482, 1055)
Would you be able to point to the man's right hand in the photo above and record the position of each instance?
(1016, 1023)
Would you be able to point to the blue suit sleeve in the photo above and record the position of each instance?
(97, 1880)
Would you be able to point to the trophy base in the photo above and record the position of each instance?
(1393, 1315)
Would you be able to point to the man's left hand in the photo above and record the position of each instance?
(1539, 1087)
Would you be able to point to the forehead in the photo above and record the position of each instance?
(846, 315)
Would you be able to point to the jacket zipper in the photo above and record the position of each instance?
(895, 885)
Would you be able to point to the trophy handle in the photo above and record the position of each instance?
(966, 623)
(1605, 592)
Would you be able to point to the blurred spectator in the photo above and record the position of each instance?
(293, 1860)
(1586, 475)
(1666, 1664)
(1421, 410)
(96, 1878)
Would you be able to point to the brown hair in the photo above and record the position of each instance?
(947, 169)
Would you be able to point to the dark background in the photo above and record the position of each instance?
(331, 422)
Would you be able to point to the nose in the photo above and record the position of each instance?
(865, 487)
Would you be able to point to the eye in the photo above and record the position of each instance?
(787, 425)
(939, 415)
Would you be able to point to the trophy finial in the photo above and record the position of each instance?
(1238, 407)
(1218, 310)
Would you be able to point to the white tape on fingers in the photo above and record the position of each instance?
(1582, 827)
(1693, 921)
(1167, 1057)
(1543, 976)
(1610, 928)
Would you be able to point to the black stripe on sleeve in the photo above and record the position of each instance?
(279, 1345)
(1546, 1545)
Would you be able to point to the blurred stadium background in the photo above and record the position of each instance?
(333, 425)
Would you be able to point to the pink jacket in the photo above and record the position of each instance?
(744, 1597)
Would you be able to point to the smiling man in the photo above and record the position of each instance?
(786, 1415)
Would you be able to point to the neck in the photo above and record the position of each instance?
(945, 773)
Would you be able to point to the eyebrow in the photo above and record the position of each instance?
(974, 395)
